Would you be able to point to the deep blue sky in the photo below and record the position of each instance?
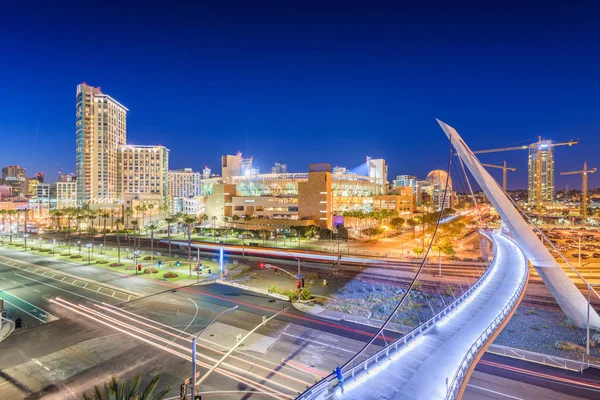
(298, 83)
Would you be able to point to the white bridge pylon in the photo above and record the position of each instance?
(568, 297)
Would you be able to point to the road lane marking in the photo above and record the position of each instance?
(493, 391)
(44, 313)
(56, 287)
(317, 342)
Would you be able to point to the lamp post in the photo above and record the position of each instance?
(25, 236)
(79, 245)
(194, 340)
(299, 276)
(89, 247)
(135, 257)
(579, 250)
(53, 244)
(127, 251)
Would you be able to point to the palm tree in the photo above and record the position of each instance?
(144, 208)
(3, 213)
(163, 209)
(25, 215)
(104, 216)
(118, 221)
(11, 213)
(91, 217)
(225, 220)
(134, 224)
(114, 390)
(80, 217)
(214, 220)
(188, 220)
(152, 228)
(412, 223)
(169, 221)
(204, 219)
(151, 207)
(128, 214)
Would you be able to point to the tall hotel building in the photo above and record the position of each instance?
(185, 183)
(144, 170)
(101, 129)
(541, 173)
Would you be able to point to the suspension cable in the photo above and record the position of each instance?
(412, 284)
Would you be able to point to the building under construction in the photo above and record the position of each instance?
(541, 172)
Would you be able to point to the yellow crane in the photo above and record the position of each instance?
(540, 145)
(504, 168)
(584, 177)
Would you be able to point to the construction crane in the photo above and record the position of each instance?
(540, 146)
(504, 169)
(584, 177)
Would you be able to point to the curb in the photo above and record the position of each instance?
(251, 289)
(10, 330)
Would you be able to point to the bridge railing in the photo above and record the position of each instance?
(459, 376)
(390, 352)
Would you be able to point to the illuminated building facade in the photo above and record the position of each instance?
(101, 129)
(541, 173)
(15, 177)
(184, 183)
(144, 170)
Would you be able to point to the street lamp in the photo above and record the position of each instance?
(127, 251)
(25, 236)
(79, 245)
(53, 244)
(100, 249)
(135, 257)
(89, 247)
(194, 340)
(297, 259)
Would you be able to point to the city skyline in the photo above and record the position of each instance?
(265, 99)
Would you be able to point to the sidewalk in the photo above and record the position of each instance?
(7, 328)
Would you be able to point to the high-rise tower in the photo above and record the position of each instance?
(101, 128)
(541, 172)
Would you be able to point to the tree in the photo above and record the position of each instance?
(118, 222)
(311, 231)
(169, 221)
(445, 246)
(134, 224)
(104, 216)
(188, 220)
(418, 251)
(370, 232)
(152, 228)
(412, 223)
(397, 223)
(79, 217)
(214, 220)
(11, 214)
(113, 390)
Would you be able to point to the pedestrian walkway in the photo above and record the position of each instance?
(433, 364)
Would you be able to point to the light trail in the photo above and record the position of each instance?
(120, 312)
(186, 349)
(269, 391)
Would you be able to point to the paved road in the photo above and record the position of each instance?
(61, 357)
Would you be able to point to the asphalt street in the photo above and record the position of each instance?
(67, 346)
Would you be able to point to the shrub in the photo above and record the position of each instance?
(272, 289)
(147, 258)
(292, 295)
(532, 311)
(65, 254)
(76, 256)
(43, 250)
(116, 265)
(305, 294)
(450, 291)
(417, 285)
(569, 323)
(154, 271)
(147, 271)
(101, 262)
(170, 275)
(567, 346)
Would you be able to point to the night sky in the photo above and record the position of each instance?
(305, 82)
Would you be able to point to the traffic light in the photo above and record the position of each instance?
(261, 265)
(18, 323)
(139, 267)
(177, 264)
(298, 284)
(275, 268)
(159, 264)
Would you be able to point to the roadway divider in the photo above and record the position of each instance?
(251, 289)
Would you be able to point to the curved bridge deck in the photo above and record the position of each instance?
(433, 366)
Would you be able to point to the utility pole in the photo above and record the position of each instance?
(584, 186)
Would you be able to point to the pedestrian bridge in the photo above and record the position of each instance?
(435, 359)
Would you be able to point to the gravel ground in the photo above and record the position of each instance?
(537, 330)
